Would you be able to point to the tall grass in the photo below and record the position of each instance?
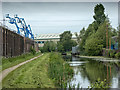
(9, 62)
(59, 70)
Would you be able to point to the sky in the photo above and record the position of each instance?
(57, 17)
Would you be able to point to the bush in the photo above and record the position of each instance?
(93, 47)
(33, 51)
(49, 46)
(117, 55)
(112, 54)
(41, 49)
(100, 84)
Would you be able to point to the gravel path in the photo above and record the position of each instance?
(5, 72)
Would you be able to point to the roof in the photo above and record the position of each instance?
(52, 36)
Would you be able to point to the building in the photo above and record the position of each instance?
(42, 38)
(115, 43)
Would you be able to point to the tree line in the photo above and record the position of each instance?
(98, 35)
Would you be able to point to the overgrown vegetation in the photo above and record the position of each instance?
(9, 62)
(59, 70)
(117, 55)
(49, 46)
(32, 50)
(100, 84)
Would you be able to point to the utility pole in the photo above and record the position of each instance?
(107, 37)
(110, 43)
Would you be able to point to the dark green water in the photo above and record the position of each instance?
(87, 71)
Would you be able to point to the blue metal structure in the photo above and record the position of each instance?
(13, 21)
(30, 31)
(27, 29)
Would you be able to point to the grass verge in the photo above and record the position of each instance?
(31, 75)
(9, 62)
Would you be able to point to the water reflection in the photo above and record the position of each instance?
(87, 71)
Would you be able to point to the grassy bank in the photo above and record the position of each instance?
(31, 75)
(59, 70)
(9, 62)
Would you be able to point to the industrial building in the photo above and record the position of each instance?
(42, 38)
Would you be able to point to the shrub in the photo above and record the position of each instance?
(33, 51)
(112, 53)
(117, 55)
(100, 84)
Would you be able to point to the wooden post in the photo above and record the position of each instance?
(110, 43)
(107, 37)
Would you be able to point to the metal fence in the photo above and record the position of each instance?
(14, 44)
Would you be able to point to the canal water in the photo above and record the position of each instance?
(87, 71)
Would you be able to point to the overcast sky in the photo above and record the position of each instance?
(58, 17)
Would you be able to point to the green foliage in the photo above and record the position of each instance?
(9, 62)
(79, 36)
(32, 50)
(89, 31)
(94, 38)
(112, 53)
(31, 75)
(99, 14)
(117, 55)
(100, 84)
(49, 46)
(114, 32)
(58, 70)
(119, 37)
(93, 47)
(96, 41)
(60, 47)
(65, 43)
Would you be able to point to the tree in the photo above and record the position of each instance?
(99, 18)
(97, 41)
(65, 42)
(99, 15)
(49, 46)
(89, 31)
(80, 35)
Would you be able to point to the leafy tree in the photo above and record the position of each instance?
(99, 14)
(79, 36)
(97, 41)
(87, 33)
(114, 32)
(60, 47)
(65, 42)
(49, 46)
(90, 32)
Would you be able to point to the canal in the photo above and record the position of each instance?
(87, 71)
